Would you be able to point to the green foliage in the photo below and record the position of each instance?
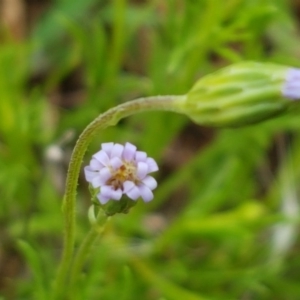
(224, 221)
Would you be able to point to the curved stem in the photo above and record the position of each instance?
(109, 118)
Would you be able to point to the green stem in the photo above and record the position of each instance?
(84, 249)
(109, 118)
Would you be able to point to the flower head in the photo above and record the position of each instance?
(118, 170)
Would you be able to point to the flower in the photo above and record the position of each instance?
(118, 170)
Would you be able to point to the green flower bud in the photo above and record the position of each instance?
(240, 94)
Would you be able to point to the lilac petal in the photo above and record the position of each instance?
(295, 84)
(117, 150)
(133, 193)
(290, 94)
(145, 192)
(108, 191)
(116, 163)
(117, 194)
(152, 165)
(140, 156)
(291, 88)
(150, 182)
(96, 182)
(102, 157)
(142, 170)
(95, 164)
(127, 186)
(89, 173)
(107, 147)
(293, 73)
(102, 199)
(105, 174)
(129, 151)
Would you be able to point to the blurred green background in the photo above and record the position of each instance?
(224, 221)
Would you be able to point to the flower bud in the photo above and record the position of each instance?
(241, 94)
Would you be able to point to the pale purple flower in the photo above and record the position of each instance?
(118, 170)
(291, 87)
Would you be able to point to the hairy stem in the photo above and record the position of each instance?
(84, 250)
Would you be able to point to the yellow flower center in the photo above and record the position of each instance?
(127, 172)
